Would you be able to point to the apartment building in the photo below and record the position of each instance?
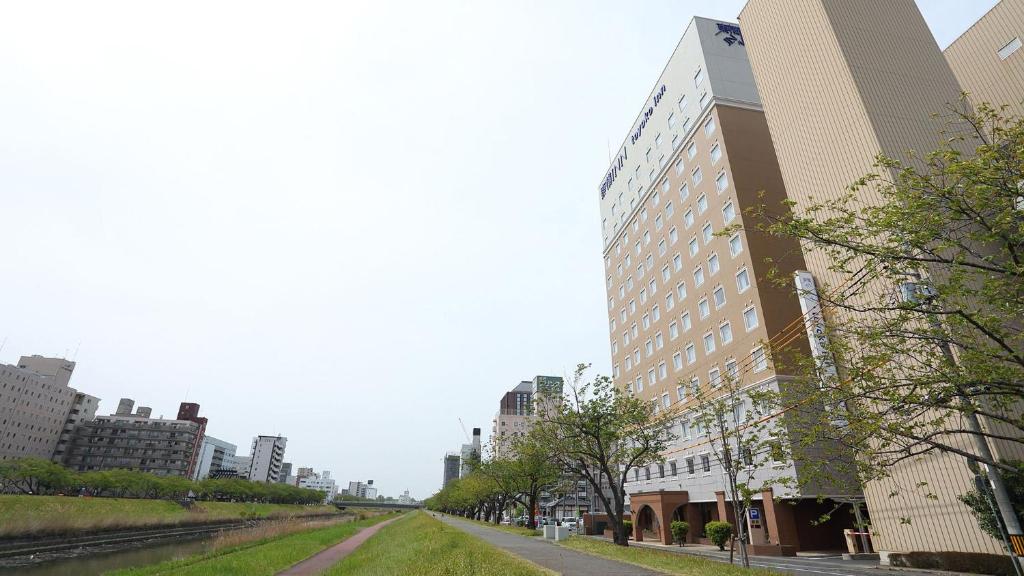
(859, 79)
(137, 442)
(83, 409)
(266, 458)
(689, 307)
(451, 468)
(512, 418)
(286, 477)
(362, 489)
(322, 482)
(38, 408)
(987, 59)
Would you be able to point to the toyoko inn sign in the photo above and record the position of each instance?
(620, 160)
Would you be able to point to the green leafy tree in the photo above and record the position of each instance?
(34, 476)
(744, 441)
(981, 503)
(597, 432)
(525, 467)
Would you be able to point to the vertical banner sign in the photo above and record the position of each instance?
(814, 322)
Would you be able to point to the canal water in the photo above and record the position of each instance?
(94, 562)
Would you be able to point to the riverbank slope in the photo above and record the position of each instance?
(25, 516)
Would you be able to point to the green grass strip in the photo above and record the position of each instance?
(422, 546)
(23, 515)
(260, 558)
(668, 562)
(521, 530)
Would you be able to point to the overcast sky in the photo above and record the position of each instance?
(350, 223)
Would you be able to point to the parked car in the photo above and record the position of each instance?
(569, 522)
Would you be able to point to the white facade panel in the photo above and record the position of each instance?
(710, 62)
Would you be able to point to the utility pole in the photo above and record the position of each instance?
(920, 290)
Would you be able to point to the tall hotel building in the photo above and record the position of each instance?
(987, 59)
(842, 82)
(687, 307)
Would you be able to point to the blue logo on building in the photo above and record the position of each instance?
(732, 34)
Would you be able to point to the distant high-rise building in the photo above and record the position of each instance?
(267, 458)
(286, 473)
(82, 410)
(37, 407)
(188, 411)
(137, 442)
(322, 482)
(214, 455)
(451, 467)
(243, 464)
(303, 472)
(517, 407)
(362, 490)
(512, 418)
(470, 454)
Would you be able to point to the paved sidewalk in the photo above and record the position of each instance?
(801, 565)
(321, 561)
(553, 557)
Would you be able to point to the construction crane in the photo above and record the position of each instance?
(468, 439)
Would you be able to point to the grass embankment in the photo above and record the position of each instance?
(521, 530)
(261, 558)
(422, 546)
(40, 515)
(667, 562)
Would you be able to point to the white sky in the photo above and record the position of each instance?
(349, 223)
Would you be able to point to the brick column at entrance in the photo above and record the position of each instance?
(693, 516)
(723, 515)
(779, 520)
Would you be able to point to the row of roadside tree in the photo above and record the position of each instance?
(38, 476)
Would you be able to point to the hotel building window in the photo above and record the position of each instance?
(735, 245)
(750, 318)
(742, 281)
(725, 333)
(728, 212)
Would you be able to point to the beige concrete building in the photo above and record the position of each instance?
(512, 418)
(688, 308)
(35, 405)
(83, 409)
(987, 59)
(842, 82)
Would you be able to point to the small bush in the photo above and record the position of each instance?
(628, 524)
(679, 530)
(973, 562)
(718, 532)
